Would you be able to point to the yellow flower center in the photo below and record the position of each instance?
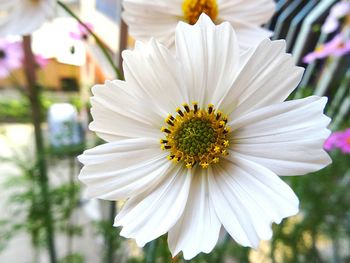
(196, 136)
(192, 9)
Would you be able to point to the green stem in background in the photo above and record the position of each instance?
(150, 251)
(36, 108)
(72, 204)
(110, 244)
(97, 39)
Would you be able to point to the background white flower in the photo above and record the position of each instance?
(22, 17)
(261, 137)
(158, 18)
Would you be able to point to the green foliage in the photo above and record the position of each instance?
(14, 110)
(18, 109)
(158, 251)
(26, 202)
(7, 231)
(325, 215)
(67, 150)
(27, 211)
(110, 235)
(72, 258)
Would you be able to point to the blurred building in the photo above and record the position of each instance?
(72, 63)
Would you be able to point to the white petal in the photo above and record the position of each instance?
(255, 12)
(268, 76)
(247, 198)
(198, 228)
(156, 19)
(287, 138)
(21, 17)
(118, 113)
(151, 70)
(248, 35)
(118, 170)
(209, 55)
(152, 213)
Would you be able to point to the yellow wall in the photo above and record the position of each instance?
(49, 76)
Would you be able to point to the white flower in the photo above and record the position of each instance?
(22, 17)
(159, 18)
(227, 143)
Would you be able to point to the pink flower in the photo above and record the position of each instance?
(41, 62)
(338, 11)
(343, 142)
(11, 56)
(338, 46)
(332, 141)
(339, 140)
(81, 33)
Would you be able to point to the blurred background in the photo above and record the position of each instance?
(43, 129)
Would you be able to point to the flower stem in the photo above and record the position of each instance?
(97, 39)
(33, 94)
(150, 251)
(110, 244)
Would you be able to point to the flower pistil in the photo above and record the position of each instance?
(196, 135)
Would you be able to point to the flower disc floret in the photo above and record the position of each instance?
(192, 9)
(196, 135)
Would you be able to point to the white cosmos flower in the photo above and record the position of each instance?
(188, 169)
(158, 18)
(22, 17)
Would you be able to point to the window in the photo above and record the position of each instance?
(110, 8)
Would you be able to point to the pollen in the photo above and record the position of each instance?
(195, 136)
(192, 9)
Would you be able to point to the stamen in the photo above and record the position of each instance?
(170, 157)
(170, 117)
(187, 108)
(165, 130)
(170, 122)
(210, 108)
(195, 106)
(178, 110)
